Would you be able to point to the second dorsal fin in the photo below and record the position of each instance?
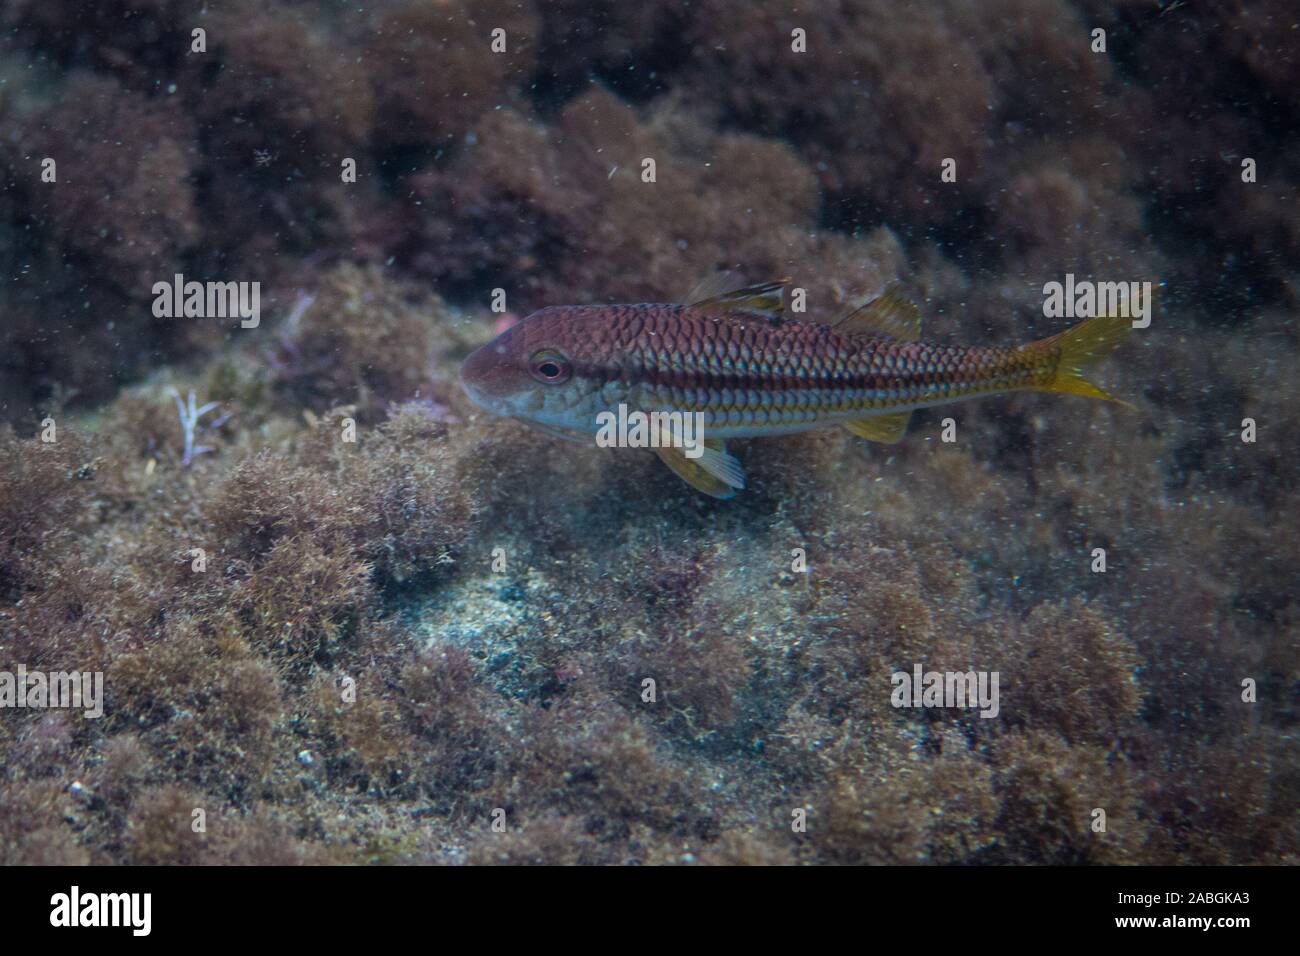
(765, 300)
(892, 315)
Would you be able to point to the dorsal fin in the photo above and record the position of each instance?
(892, 315)
(713, 285)
(765, 300)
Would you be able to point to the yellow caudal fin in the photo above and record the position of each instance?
(1085, 344)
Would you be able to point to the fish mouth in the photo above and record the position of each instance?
(469, 388)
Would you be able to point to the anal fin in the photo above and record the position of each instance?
(888, 429)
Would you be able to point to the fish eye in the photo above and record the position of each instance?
(550, 366)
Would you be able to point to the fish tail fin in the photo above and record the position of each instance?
(1079, 347)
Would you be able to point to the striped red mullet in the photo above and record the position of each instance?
(734, 360)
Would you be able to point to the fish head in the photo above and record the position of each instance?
(544, 370)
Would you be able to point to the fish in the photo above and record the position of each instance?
(731, 356)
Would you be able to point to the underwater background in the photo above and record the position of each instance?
(431, 644)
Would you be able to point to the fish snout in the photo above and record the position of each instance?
(488, 376)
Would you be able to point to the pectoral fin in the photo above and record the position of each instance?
(715, 472)
(888, 429)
